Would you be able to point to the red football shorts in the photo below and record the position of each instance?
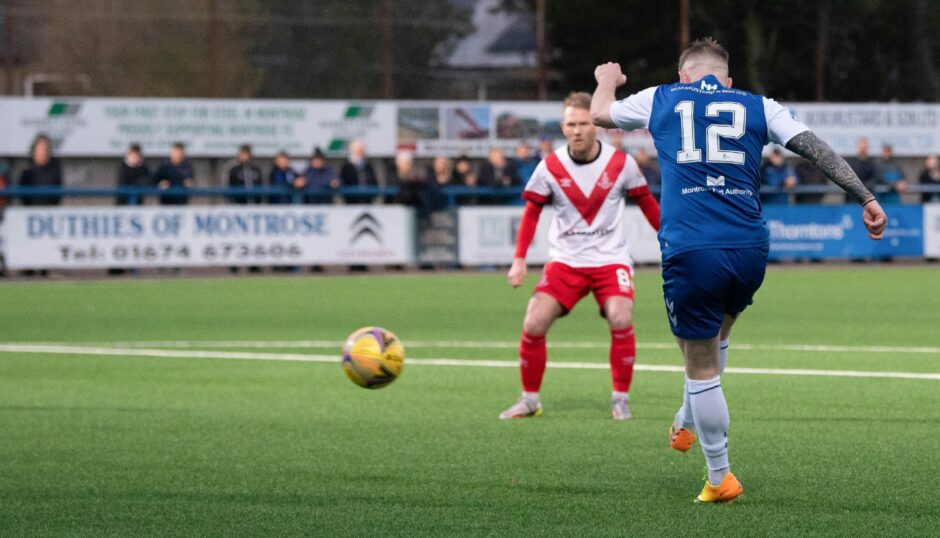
(568, 285)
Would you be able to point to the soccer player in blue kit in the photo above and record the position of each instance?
(709, 139)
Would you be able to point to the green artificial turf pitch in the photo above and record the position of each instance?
(132, 445)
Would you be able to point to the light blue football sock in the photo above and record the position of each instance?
(710, 413)
(684, 415)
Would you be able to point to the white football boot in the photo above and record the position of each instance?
(620, 409)
(523, 408)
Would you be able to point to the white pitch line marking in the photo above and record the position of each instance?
(248, 355)
(443, 344)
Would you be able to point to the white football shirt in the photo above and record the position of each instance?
(588, 200)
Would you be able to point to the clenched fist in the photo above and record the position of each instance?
(610, 73)
(875, 219)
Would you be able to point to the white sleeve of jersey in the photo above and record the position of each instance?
(782, 125)
(632, 175)
(634, 111)
(539, 182)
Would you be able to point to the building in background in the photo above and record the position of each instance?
(497, 60)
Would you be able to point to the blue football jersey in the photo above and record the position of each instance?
(709, 140)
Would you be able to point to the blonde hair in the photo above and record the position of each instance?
(578, 100)
(706, 48)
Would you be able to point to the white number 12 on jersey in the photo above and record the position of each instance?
(713, 152)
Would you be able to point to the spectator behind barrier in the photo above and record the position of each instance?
(525, 162)
(321, 179)
(177, 173)
(891, 175)
(546, 146)
(930, 176)
(778, 174)
(497, 172)
(440, 176)
(44, 170)
(245, 175)
(413, 188)
(4, 182)
(808, 174)
(463, 169)
(133, 172)
(357, 171)
(863, 165)
(465, 176)
(648, 166)
(284, 179)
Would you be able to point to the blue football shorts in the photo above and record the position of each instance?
(701, 286)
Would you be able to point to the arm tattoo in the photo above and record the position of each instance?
(814, 150)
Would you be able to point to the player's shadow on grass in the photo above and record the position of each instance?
(576, 407)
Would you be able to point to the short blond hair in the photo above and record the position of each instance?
(578, 100)
(704, 48)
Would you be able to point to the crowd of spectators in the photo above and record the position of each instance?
(418, 185)
(423, 184)
(883, 175)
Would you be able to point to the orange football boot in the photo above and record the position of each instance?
(681, 439)
(727, 491)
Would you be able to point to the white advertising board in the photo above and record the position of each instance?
(100, 127)
(487, 236)
(86, 238)
(932, 230)
(912, 129)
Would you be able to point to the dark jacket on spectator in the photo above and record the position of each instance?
(48, 175)
(928, 177)
(507, 176)
(362, 175)
(504, 177)
(866, 170)
(176, 175)
(282, 180)
(416, 191)
(410, 189)
(4, 171)
(810, 175)
(318, 187)
(245, 176)
(132, 176)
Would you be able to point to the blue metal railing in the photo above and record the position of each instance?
(451, 195)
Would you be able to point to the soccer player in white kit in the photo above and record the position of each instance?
(586, 183)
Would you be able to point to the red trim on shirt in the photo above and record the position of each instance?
(527, 226)
(587, 206)
(648, 204)
(535, 198)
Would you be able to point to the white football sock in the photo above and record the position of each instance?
(710, 412)
(723, 355)
(531, 396)
(684, 415)
(619, 395)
